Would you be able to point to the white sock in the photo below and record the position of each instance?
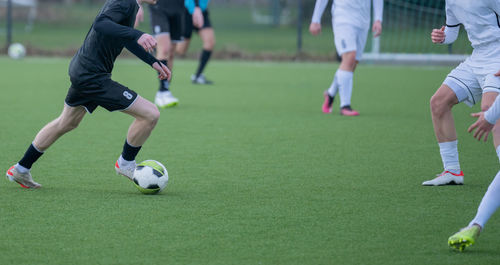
(168, 93)
(489, 204)
(449, 155)
(334, 87)
(345, 85)
(21, 169)
(125, 163)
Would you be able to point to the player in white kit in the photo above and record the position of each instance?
(472, 81)
(350, 22)
(477, 77)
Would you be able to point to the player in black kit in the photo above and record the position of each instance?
(206, 33)
(91, 86)
(167, 21)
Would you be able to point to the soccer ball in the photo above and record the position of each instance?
(150, 177)
(16, 51)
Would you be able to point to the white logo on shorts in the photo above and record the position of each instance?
(127, 95)
(157, 29)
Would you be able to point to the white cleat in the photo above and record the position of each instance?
(23, 179)
(200, 80)
(125, 171)
(446, 178)
(164, 99)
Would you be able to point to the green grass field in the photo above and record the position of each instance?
(258, 175)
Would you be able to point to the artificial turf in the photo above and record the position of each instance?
(258, 175)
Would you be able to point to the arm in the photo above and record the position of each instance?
(319, 8)
(486, 120)
(137, 50)
(108, 23)
(193, 7)
(449, 33)
(139, 17)
(378, 11)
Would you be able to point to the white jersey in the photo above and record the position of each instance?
(480, 19)
(353, 12)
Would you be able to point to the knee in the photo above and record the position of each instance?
(439, 105)
(349, 61)
(153, 116)
(209, 45)
(163, 52)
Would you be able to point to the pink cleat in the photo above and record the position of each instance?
(347, 111)
(327, 105)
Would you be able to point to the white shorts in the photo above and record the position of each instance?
(350, 38)
(470, 82)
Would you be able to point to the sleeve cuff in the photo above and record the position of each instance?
(488, 117)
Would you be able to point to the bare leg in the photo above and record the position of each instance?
(67, 121)
(487, 100)
(444, 128)
(207, 35)
(349, 61)
(165, 49)
(182, 47)
(442, 118)
(146, 116)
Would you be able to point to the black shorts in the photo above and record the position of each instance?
(107, 93)
(164, 22)
(188, 26)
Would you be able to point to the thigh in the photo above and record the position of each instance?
(464, 84)
(159, 21)
(176, 21)
(206, 20)
(345, 39)
(110, 95)
(361, 36)
(141, 108)
(72, 114)
(188, 25)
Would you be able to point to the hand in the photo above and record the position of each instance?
(147, 42)
(198, 18)
(482, 125)
(315, 28)
(377, 28)
(437, 35)
(498, 73)
(163, 71)
(139, 17)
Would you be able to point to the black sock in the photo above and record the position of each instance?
(164, 84)
(330, 99)
(130, 152)
(205, 56)
(30, 157)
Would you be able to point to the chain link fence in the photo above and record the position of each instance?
(245, 29)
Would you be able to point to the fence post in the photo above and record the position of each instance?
(299, 26)
(9, 23)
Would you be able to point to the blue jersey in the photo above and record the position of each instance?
(191, 4)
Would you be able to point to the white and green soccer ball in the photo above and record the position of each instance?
(16, 51)
(150, 177)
